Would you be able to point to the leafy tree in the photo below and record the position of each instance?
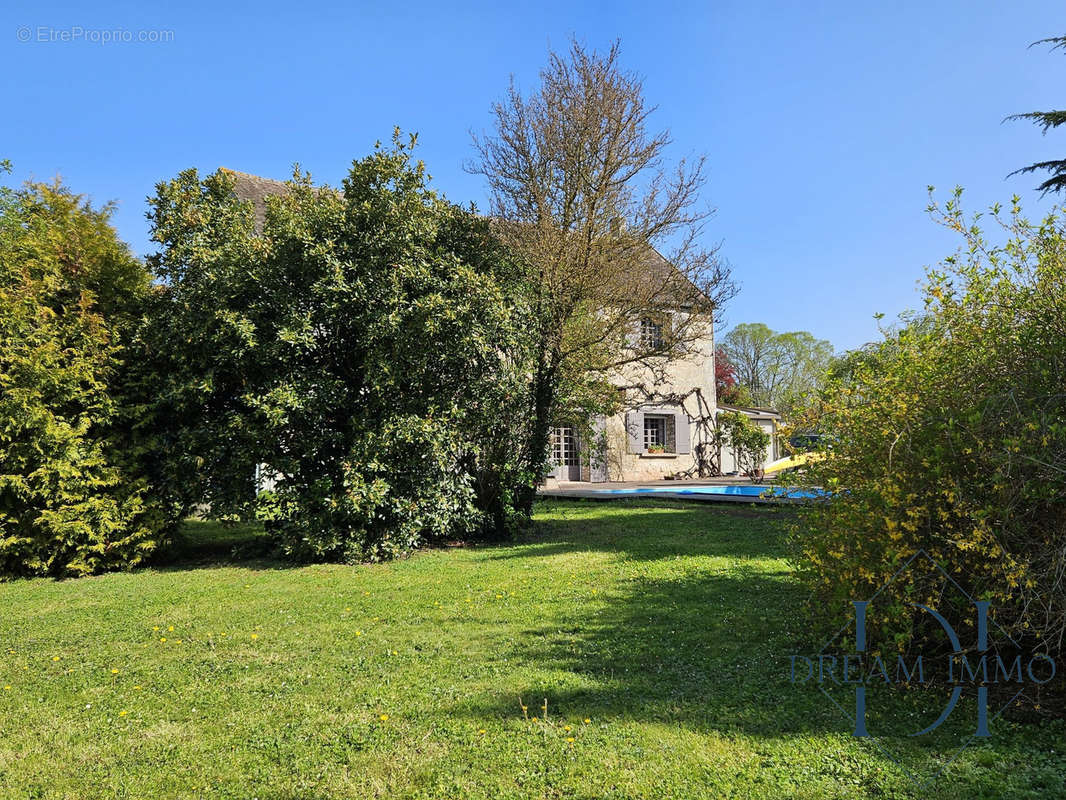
(725, 374)
(779, 370)
(1046, 120)
(583, 197)
(727, 389)
(72, 500)
(948, 436)
(361, 344)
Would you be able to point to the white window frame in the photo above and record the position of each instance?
(651, 334)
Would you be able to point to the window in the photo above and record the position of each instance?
(654, 433)
(660, 434)
(651, 334)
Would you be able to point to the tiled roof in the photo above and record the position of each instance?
(256, 189)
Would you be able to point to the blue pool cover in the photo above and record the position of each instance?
(735, 491)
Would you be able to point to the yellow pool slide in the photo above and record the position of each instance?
(797, 460)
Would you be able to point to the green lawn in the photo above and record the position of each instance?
(658, 633)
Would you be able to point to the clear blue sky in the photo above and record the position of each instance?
(823, 121)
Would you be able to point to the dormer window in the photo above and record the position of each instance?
(651, 334)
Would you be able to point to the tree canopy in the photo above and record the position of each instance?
(585, 201)
(360, 344)
(777, 370)
(1046, 120)
(72, 499)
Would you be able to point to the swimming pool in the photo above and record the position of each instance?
(761, 492)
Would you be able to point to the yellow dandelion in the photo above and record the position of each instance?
(7, 688)
(566, 728)
(55, 658)
(255, 635)
(114, 672)
(170, 628)
(533, 718)
(123, 713)
(384, 717)
(587, 720)
(481, 732)
(358, 633)
(136, 688)
(569, 739)
(347, 609)
(177, 641)
(162, 638)
(395, 652)
(155, 627)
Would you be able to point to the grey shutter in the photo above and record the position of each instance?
(635, 431)
(681, 435)
(598, 451)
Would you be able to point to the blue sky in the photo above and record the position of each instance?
(823, 122)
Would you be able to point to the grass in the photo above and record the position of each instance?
(658, 634)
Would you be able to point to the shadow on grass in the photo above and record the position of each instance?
(655, 529)
(707, 645)
(708, 651)
(199, 544)
(703, 645)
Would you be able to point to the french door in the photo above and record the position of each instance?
(565, 454)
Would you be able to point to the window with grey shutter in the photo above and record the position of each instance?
(635, 431)
(681, 433)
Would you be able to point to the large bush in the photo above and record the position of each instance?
(360, 342)
(71, 500)
(950, 436)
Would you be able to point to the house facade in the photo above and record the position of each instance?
(647, 440)
(651, 441)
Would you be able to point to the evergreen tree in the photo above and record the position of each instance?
(1047, 120)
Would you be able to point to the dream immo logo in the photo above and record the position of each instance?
(972, 669)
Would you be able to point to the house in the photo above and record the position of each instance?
(658, 434)
(664, 431)
(650, 441)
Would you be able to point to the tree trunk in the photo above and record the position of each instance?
(543, 398)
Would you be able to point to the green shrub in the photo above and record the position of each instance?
(398, 489)
(950, 436)
(71, 503)
(361, 342)
(747, 440)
